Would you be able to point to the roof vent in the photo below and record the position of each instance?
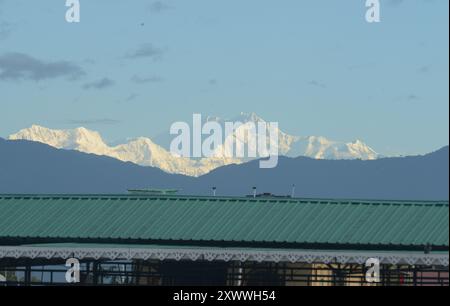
(153, 191)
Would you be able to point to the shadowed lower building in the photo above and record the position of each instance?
(141, 239)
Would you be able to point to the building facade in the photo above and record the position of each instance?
(179, 240)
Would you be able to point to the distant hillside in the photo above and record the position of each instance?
(417, 178)
(30, 167)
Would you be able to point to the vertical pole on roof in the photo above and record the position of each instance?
(293, 191)
(254, 192)
(214, 191)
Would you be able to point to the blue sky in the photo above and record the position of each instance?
(132, 68)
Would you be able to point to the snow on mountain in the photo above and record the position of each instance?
(143, 151)
(80, 139)
(294, 146)
(323, 148)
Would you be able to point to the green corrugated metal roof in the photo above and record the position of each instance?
(195, 220)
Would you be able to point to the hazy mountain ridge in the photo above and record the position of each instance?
(32, 167)
(424, 177)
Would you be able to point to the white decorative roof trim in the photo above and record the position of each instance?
(216, 254)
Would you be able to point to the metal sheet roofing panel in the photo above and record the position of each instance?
(134, 218)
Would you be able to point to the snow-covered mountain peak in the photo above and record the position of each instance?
(242, 118)
(144, 151)
(248, 117)
(63, 139)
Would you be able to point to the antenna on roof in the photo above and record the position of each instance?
(254, 192)
(214, 191)
(293, 191)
